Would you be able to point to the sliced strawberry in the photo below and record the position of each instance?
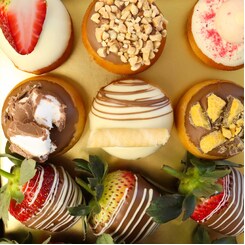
(35, 192)
(22, 22)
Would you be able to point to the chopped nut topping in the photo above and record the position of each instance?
(136, 25)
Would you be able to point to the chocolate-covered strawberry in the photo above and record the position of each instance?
(210, 192)
(38, 196)
(119, 203)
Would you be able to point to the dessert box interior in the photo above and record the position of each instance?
(175, 71)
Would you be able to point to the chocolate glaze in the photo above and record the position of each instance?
(136, 224)
(230, 216)
(90, 32)
(60, 139)
(50, 218)
(222, 90)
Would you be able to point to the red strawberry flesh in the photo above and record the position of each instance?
(207, 205)
(22, 22)
(37, 188)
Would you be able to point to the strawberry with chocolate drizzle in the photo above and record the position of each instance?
(209, 192)
(21, 22)
(38, 196)
(118, 204)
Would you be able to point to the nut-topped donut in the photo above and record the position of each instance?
(124, 36)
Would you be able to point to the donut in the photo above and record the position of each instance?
(38, 36)
(124, 37)
(216, 33)
(130, 119)
(42, 116)
(210, 119)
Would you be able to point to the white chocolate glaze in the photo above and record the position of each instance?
(208, 38)
(131, 104)
(53, 215)
(229, 21)
(230, 221)
(52, 42)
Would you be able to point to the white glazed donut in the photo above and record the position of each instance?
(53, 44)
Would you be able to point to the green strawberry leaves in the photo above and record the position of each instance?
(27, 240)
(201, 236)
(27, 171)
(104, 239)
(22, 172)
(188, 206)
(166, 208)
(97, 171)
(198, 180)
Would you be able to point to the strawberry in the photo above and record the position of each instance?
(38, 196)
(21, 22)
(119, 203)
(210, 192)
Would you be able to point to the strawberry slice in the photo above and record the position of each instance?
(22, 22)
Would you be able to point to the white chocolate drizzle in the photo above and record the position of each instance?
(53, 215)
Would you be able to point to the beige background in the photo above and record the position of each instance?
(176, 70)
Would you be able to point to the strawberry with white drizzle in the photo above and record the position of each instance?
(38, 196)
(211, 193)
(119, 203)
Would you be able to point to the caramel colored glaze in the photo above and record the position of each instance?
(229, 220)
(222, 90)
(54, 216)
(75, 113)
(201, 55)
(131, 223)
(112, 62)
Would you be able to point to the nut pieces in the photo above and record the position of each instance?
(132, 29)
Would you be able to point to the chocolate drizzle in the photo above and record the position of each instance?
(114, 96)
(228, 218)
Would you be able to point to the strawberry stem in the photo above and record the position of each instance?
(85, 186)
(6, 174)
(173, 172)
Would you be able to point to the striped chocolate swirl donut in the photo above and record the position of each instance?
(54, 216)
(130, 100)
(228, 217)
(131, 103)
